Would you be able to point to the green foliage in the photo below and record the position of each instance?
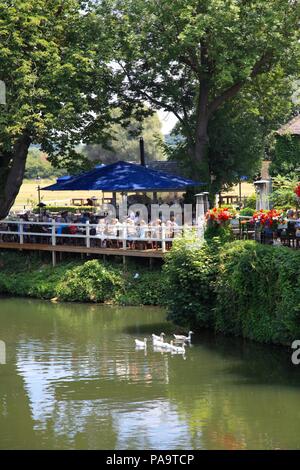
(58, 86)
(37, 165)
(190, 271)
(124, 144)
(90, 282)
(285, 155)
(142, 287)
(191, 58)
(222, 231)
(27, 276)
(247, 211)
(241, 288)
(283, 194)
(55, 53)
(77, 281)
(251, 201)
(258, 292)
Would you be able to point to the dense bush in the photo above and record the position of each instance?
(142, 287)
(240, 288)
(250, 201)
(258, 292)
(223, 232)
(190, 271)
(283, 194)
(90, 281)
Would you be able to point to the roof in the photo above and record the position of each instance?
(292, 127)
(123, 177)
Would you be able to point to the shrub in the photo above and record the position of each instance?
(283, 193)
(247, 211)
(223, 232)
(250, 201)
(241, 288)
(190, 270)
(142, 288)
(258, 292)
(90, 282)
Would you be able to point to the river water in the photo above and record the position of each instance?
(73, 380)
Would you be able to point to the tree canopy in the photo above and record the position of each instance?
(38, 166)
(215, 64)
(191, 57)
(54, 64)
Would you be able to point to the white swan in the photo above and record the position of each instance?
(166, 346)
(184, 338)
(178, 349)
(141, 344)
(158, 343)
(158, 338)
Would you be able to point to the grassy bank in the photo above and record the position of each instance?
(79, 281)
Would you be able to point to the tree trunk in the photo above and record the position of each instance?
(12, 169)
(201, 135)
(201, 140)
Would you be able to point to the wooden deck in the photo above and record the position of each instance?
(82, 249)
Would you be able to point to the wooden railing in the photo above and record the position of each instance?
(87, 235)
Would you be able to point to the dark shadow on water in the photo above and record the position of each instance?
(155, 328)
(256, 364)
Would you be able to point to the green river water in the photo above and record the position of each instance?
(73, 380)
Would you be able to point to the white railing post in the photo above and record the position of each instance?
(124, 236)
(163, 238)
(87, 234)
(21, 232)
(53, 234)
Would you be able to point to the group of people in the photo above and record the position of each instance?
(104, 231)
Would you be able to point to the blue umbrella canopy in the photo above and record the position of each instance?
(123, 177)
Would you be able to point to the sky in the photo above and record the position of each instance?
(168, 121)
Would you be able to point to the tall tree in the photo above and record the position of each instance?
(52, 60)
(190, 57)
(241, 130)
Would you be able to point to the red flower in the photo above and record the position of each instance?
(266, 217)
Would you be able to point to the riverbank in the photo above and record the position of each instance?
(80, 281)
(239, 288)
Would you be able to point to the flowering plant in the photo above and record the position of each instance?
(218, 215)
(268, 219)
(218, 224)
(297, 190)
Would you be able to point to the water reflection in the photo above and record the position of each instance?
(73, 379)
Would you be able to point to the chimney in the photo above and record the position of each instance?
(142, 152)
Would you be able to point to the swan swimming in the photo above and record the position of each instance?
(158, 338)
(184, 338)
(141, 344)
